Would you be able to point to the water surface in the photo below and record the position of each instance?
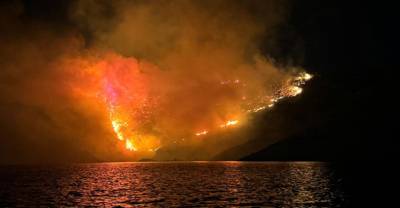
(172, 184)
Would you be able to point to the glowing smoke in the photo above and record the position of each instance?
(155, 74)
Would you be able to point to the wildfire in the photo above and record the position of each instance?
(129, 145)
(304, 76)
(117, 129)
(133, 109)
(290, 90)
(295, 90)
(258, 109)
(229, 123)
(204, 132)
(123, 131)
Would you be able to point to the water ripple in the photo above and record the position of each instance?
(173, 184)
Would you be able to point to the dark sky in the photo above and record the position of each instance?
(350, 47)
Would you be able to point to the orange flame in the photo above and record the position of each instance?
(204, 132)
(129, 145)
(229, 123)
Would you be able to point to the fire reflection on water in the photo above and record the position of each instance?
(173, 184)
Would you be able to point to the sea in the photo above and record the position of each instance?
(173, 184)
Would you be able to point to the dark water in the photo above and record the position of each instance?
(174, 184)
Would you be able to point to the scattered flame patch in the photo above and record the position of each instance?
(229, 123)
(204, 132)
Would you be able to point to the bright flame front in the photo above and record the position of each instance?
(129, 145)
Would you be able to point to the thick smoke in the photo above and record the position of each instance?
(41, 119)
(162, 70)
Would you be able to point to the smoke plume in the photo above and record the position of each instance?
(127, 80)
